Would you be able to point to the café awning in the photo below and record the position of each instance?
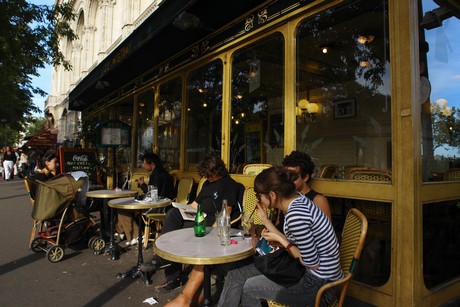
(46, 138)
(176, 25)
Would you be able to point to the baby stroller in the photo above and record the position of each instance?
(59, 219)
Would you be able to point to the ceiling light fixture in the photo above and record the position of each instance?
(306, 109)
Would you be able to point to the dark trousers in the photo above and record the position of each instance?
(174, 221)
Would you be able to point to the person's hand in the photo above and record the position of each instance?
(140, 180)
(262, 212)
(271, 237)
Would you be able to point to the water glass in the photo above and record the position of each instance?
(248, 223)
(225, 235)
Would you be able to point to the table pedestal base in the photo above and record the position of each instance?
(113, 249)
(134, 272)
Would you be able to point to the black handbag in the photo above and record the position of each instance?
(280, 267)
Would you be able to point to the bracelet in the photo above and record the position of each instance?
(289, 246)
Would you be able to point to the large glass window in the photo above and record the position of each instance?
(439, 91)
(257, 129)
(343, 91)
(169, 121)
(204, 113)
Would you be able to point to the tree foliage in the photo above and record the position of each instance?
(29, 39)
(446, 126)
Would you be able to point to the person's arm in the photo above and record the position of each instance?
(322, 203)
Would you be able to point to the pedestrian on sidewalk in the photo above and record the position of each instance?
(9, 160)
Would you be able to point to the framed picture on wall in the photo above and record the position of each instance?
(345, 108)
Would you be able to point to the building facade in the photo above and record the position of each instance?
(101, 25)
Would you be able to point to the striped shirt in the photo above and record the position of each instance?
(311, 231)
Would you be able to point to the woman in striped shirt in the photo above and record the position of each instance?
(308, 236)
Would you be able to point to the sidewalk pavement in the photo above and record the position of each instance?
(80, 279)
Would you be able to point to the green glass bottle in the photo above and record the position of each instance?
(200, 224)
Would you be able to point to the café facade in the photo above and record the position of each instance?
(352, 83)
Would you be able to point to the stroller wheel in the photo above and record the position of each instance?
(55, 254)
(38, 245)
(90, 242)
(97, 244)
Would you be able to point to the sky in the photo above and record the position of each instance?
(44, 80)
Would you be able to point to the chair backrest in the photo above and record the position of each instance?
(184, 189)
(30, 187)
(452, 175)
(174, 174)
(249, 204)
(370, 174)
(254, 169)
(133, 183)
(353, 237)
(328, 171)
(200, 185)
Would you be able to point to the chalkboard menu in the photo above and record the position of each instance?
(78, 159)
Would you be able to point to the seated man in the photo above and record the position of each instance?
(218, 186)
(159, 177)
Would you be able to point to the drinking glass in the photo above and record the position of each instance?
(248, 223)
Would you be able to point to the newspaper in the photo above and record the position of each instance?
(188, 212)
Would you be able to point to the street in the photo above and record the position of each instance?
(80, 279)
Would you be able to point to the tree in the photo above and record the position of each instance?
(446, 126)
(35, 126)
(29, 39)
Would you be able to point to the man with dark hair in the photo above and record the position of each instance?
(218, 186)
(160, 178)
(302, 164)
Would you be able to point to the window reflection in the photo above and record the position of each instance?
(439, 93)
(204, 113)
(343, 90)
(145, 122)
(257, 112)
(375, 262)
(169, 120)
(441, 242)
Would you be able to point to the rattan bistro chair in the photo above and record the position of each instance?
(370, 174)
(254, 169)
(328, 171)
(135, 176)
(184, 189)
(452, 175)
(353, 237)
(249, 204)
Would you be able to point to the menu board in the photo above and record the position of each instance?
(113, 133)
(78, 159)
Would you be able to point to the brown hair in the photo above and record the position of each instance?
(212, 164)
(275, 179)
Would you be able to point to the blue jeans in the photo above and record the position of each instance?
(250, 286)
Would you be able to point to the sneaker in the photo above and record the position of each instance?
(132, 242)
(169, 285)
